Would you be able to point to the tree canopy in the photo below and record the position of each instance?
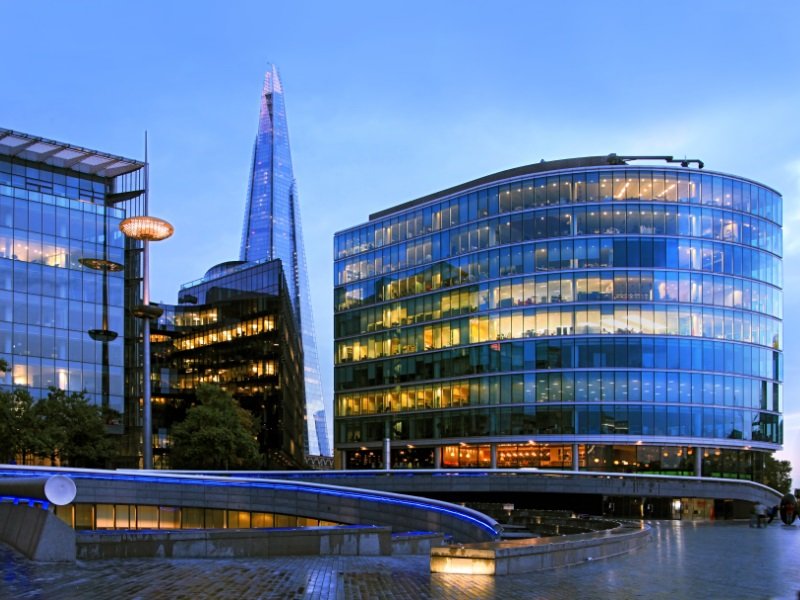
(18, 428)
(778, 474)
(64, 427)
(216, 434)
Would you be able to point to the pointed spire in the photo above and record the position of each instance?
(272, 229)
(269, 205)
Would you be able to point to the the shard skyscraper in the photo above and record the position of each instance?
(272, 230)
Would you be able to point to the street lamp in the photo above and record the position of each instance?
(146, 229)
(103, 334)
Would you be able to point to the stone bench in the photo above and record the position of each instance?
(537, 554)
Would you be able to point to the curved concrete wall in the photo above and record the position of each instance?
(234, 543)
(327, 502)
(543, 482)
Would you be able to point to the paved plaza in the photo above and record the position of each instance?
(684, 560)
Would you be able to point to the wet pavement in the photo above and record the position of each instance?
(725, 560)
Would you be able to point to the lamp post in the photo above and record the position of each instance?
(103, 334)
(146, 229)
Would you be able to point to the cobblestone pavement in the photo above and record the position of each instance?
(683, 560)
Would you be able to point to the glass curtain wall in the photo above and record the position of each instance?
(627, 307)
(272, 230)
(53, 223)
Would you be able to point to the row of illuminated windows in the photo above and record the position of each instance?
(39, 375)
(47, 313)
(674, 460)
(63, 284)
(72, 220)
(139, 516)
(591, 286)
(196, 318)
(595, 457)
(577, 253)
(29, 342)
(180, 317)
(706, 223)
(568, 386)
(607, 319)
(47, 251)
(669, 253)
(580, 353)
(575, 188)
(599, 419)
(553, 456)
(242, 374)
(225, 334)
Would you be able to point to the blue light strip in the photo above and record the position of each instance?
(32, 502)
(322, 489)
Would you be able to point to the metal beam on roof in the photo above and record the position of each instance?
(19, 148)
(50, 153)
(123, 196)
(70, 162)
(65, 156)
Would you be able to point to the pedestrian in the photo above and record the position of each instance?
(758, 515)
(761, 515)
(772, 514)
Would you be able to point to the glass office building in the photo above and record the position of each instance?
(322, 433)
(234, 328)
(583, 314)
(64, 275)
(272, 230)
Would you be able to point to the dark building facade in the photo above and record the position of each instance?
(578, 314)
(234, 328)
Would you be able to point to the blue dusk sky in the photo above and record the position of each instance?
(389, 101)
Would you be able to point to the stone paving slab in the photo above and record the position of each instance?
(706, 560)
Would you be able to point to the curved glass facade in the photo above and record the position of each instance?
(608, 317)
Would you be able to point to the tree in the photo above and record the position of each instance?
(19, 435)
(72, 430)
(778, 474)
(216, 434)
(66, 428)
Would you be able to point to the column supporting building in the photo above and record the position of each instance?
(387, 454)
(576, 462)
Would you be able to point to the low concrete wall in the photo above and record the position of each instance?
(416, 542)
(506, 481)
(538, 554)
(325, 502)
(36, 532)
(234, 543)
